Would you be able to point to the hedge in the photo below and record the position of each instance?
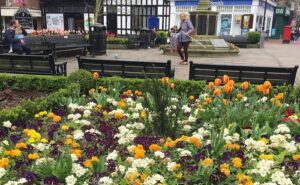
(27, 109)
(182, 86)
(33, 82)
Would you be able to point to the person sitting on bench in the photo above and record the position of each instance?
(16, 43)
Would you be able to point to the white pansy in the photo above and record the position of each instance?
(183, 153)
(187, 128)
(279, 178)
(154, 179)
(138, 107)
(122, 169)
(87, 113)
(142, 163)
(71, 180)
(186, 109)
(74, 117)
(93, 131)
(112, 156)
(191, 119)
(7, 124)
(74, 157)
(133, 172)
(138, 126)
(73, 106)
(41, 147)
(256, 145)
(263, 167)
(205, 95)
(263, 99)
(159, 154)
(5, 142)
(135, 115)
(282, 129)
(78, 134)
(171, 166)
(2, 172)
(78, 170)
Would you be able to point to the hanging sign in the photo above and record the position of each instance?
(247, 21)
(24, 17)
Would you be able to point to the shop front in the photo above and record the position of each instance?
(281, 19)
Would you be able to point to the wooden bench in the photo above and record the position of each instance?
(238, 40)
(31, 64)
(69, 42)
(255, 75)
(127, 69)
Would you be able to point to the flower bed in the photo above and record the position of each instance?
(227, 134)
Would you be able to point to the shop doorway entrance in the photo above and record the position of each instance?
(74, 21)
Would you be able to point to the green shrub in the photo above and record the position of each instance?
(163, 36)
(27, 109)
(295, 94)
(253, 37)
(84, 79)
(32, 82)
(117, 40)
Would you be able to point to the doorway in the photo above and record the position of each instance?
(73, 21)
(112, 25)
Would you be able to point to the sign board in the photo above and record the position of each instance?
(247, 21)
(219, 43)
(24, 17)
(55, 21)
(282, 11)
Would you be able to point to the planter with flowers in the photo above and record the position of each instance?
(229, 134)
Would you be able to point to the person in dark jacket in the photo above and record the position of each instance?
(184, 37)
(17, 44)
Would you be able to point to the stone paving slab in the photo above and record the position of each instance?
(274, 54)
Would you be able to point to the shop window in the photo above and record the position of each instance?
(140, 15)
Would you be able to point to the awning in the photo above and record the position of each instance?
(11, 11)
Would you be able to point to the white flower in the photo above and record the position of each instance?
(5, 142)
(154, 179)
(282, 129)
(256, 145)
(2, 172)
(78, 134)
(186, 109)
(135, 115)
(78, 170)
(159, 154)
(171, 166)
(74, 157)
(279, 178)
(141, 163)
(138, 126)
(122, 169)
(183, 153)
(87, 113)
(187, 128)
(112, 156)
(263, 167)
(139, 107)
(71, 180)
(41, 147)
(7, 124)
(264, 99)
(191, 119)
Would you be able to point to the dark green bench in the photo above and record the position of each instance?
(252, 74)
(127, 69)
(31, 64)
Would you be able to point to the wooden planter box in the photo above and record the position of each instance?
(116, 46)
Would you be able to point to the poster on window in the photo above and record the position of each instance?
(55, 21)
(86, 21)
(226, 24)
(247, 21)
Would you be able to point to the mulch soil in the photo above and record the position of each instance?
(11, 98)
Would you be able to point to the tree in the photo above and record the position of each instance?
(98, 4)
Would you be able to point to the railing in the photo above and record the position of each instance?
(231, 9)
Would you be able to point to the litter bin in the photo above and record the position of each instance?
(97, 39)
(145, 37)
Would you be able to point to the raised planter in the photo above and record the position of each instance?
(116, 46)
(253, 45)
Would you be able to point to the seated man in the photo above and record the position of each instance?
(16, 43)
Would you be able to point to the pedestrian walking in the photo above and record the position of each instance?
(173, 39)
(184, 37)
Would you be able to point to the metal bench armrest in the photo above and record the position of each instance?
(61, 68)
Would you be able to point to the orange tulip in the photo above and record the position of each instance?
(231, 83)
(260, 88)
(239, 95)
(266, 91)
(173, 86)
(96, 75)
(217, 92)
(225, 79)
(245, 85)
(208, 101)
(165, 80)
(211, 85)
(218, 81)
(227, 89)
(279, 96)
(267, 84)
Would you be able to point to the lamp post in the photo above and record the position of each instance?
(264, 19)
